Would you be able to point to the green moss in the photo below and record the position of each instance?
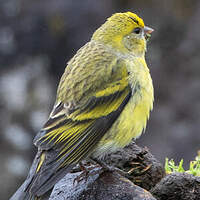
(194, 167)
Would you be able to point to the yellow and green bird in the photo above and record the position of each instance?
(103, 101)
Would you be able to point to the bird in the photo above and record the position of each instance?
(103, 102)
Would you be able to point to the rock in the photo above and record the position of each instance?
(107, 186)
(181, 186)
(144, 170)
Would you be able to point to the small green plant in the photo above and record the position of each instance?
(194, 167)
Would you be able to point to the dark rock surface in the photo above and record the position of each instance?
(178, 186)
(146, 180)
(144, 171)
(108, 186)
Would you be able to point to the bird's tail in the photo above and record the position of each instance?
(22, 194)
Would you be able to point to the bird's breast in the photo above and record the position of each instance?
(132, 121)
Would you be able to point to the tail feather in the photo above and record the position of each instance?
(21, 194)
(49, 183)
(24, 193)
(39, 184)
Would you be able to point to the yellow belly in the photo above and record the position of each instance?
(130, 124)
(133, 119)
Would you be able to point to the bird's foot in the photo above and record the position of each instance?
(86, 171)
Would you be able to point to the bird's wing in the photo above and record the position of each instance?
(88, 103)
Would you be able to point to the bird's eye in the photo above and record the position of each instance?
(137, 30)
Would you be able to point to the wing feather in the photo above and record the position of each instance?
(73, 151)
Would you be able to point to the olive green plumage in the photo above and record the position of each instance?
(103, 101)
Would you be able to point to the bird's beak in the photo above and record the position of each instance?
(148, 30)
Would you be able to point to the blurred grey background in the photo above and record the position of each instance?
(38, 37)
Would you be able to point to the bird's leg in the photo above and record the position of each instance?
(86, 171)
(83, 175)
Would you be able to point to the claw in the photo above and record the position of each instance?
(83, 175)
(86, 171)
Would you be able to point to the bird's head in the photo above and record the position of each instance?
(125, 32)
